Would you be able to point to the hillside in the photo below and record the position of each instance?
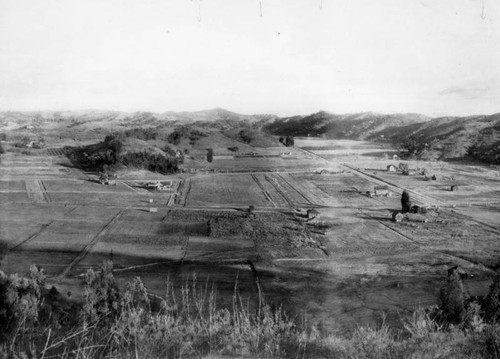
(452, 137)
(446, 137)
(350, 126)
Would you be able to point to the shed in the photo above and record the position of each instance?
(381, 190)
(157, 186)
(392, 168)
(107, 178)
(397, 216)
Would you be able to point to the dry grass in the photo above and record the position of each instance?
(189, 322)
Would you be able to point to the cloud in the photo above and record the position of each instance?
(470, 92)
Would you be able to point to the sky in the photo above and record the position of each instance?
(286, 57)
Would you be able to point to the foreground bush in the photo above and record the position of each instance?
(190, 322)
(134, 323)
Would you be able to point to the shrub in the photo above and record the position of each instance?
(288, 141)
(370, 342)
(413, 146)
(492, 302)
(422, 323)
(404, 168)
(210, 155)
(405, 202)
(245, 136)
(20, 300)
(452, 300)
(101, 294)
(178, 134)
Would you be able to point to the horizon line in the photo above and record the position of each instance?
(246, 114)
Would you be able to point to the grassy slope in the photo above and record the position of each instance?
(449, 137)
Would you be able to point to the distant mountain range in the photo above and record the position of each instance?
(447, 137)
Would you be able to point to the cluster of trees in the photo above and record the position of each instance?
(111, 153)
(488, 154)
(184, 132)
(245, 136)
(413, 147)
(154, 162)
(457, 308)
(114, 145)
(288, 141)
(142, 133)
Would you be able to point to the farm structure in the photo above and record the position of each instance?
(159, 185)
(107, 178)
(380, 190)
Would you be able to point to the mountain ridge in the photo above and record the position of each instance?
(446, 137)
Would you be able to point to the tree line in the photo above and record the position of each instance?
(110, 154)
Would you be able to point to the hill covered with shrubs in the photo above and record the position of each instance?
(473, 137)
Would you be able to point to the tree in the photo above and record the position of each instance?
(116, 146)
(405, 202)
(245, 136)
(492, 302)
(412, 146)
(453, 299)
(404, 168)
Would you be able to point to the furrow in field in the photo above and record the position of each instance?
(261, 186)
(295, 197)
(309, 190)
(280, 190)
(36, 191)
(277, 199)
(91, 244)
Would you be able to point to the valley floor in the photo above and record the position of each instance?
(350, 266)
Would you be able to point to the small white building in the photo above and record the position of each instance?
(159, 186)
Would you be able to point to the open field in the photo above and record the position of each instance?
(225, 189)
(351, 266)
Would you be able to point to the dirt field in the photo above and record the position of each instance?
(351, 266)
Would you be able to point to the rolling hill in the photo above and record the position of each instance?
(446, 137)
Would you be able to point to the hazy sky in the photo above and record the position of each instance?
(270, 56)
